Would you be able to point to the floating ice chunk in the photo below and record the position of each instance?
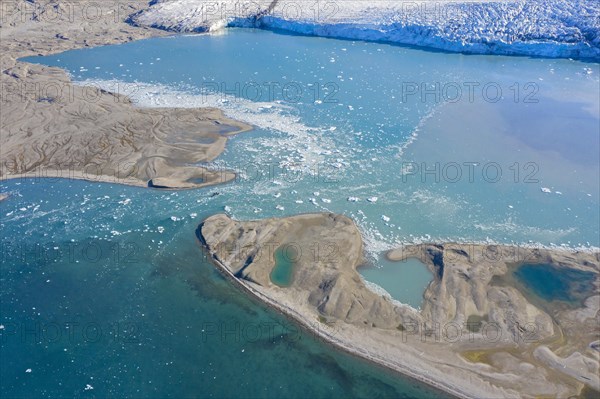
(558, 192)
(385, 218)
(326, 200)
(316, 193)
(28, 371)
(175, 218)
(280, 208)
(193, 215)
(277, 195)
(299, 202)
(226, 208)
(88, 387)
(353, 199)
(332, 128)
(1, 326)
(510, 206)
(372, 199)
(160, 229)
(546, 190)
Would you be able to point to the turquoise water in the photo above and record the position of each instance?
(116, 294)
(335, 120)
(113, 276)
(405, 281)
(283, 270)
(552, 283)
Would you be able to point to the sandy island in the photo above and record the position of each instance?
(475, 337)
(52, 128)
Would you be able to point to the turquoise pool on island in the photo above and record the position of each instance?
(105, 286)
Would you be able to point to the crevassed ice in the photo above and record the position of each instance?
(553, 28)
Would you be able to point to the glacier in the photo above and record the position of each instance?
(548, 28)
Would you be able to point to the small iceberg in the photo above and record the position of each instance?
(372, 199)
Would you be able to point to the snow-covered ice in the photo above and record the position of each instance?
(552, 28)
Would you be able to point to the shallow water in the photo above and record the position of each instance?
(336, 131)
(551, 283)
(404, 281)
(283, 270)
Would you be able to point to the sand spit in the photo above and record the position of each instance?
(52, 128)
(472, 338)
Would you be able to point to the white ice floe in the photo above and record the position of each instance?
(353, 199)
(280, 208)
(372, 199)
(546, 190)
(385, 218)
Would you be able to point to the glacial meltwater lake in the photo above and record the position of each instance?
(105, 286)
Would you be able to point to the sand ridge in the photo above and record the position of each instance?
(52, 128)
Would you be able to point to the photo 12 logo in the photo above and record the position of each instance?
(64, 12)
(469, 91)
(469, 172)
(70, 332)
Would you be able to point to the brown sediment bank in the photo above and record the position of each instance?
(52, 128)
(471, 338)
